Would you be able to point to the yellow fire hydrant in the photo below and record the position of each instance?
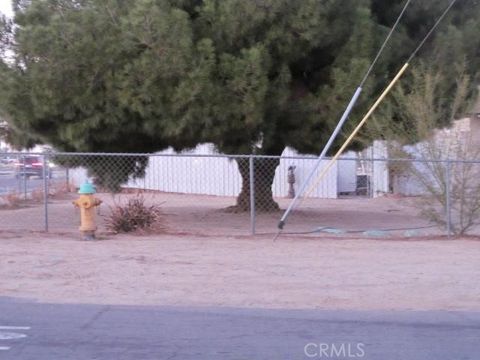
(87, 204)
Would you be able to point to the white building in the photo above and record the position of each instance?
(459, 142)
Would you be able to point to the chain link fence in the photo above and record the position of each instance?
(240, 195)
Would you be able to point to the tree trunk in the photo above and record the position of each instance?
(264, 172)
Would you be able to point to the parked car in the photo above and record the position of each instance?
(31, 165)
(7, 160)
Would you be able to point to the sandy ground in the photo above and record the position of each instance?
(294, 272)
(205, 257)
(203, 215)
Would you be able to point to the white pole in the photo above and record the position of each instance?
(321, 157)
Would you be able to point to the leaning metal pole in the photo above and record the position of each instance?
(357, 129)
(325, 150)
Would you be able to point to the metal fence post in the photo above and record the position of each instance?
(371, 177)
(46, 175)
(252, 194)
(67, 179)
(18, 175)
(447, 200)
(24, 162)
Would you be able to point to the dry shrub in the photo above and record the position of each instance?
(58, 190)
(13, 199)
(55, 190)
(133, 216)
(37, 195)
(439, 157)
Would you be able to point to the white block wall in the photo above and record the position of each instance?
(220, 176)
(380, 178)
(347, 173)
(327, 188)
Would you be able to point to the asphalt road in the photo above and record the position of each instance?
(83, 332)
(8, 182)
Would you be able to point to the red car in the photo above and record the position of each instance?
(30, 165)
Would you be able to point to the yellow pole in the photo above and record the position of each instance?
(357, 129)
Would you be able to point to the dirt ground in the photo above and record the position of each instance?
(206, 257)
(203, 215)
(294, 272)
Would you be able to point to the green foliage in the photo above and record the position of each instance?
(421, 105)
(109, 172)
(251, 76)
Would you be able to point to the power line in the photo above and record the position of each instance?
(342, 120)
(414, 53)
(372, 109)
(367, 74)
(365, 118)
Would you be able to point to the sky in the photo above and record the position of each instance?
(6, 7)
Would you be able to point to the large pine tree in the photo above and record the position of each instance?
(250, 76)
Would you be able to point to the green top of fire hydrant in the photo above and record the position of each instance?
(87, 188)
